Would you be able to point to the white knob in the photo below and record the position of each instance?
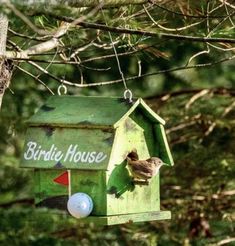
(80, 205)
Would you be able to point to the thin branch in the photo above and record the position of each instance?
(54, 42)
(146, 33)
(67, 61)
(75, 3)
(26, 36)
(41, 47)
(170, 29)
(63, 81)
(196, 97)
(216, 91)
(190, 16)
(204, 65)
(181, 126)
(230, 19)
(228, 4)
(218, 24)
(227, 110)
(25, 19)
(36, 78)
(226, 241)
(142, 32)
(197, 54)
(223, 49)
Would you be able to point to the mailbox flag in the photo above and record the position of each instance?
(63, 179)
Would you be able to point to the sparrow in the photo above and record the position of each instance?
(144, 169)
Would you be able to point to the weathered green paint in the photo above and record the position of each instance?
(45, 187)
(110, 126)
(74, 147)
(128, 218)
(129, 135)
(164, 149)
(147, 127)
(87, 181)
(72, 111)
(92, 183)
(88, 112)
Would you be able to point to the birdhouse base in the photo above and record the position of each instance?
(127, 218)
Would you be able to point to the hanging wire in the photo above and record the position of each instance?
(127, 93)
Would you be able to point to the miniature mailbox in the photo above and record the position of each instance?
(91, 137)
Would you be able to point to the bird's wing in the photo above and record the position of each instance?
(142, 166)
(142, 175)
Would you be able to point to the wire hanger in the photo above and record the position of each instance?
(127, 93)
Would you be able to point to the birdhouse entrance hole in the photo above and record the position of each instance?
(133, 155)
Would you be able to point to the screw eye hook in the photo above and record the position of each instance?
(128, 95)
(62, 90)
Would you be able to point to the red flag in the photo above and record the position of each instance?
(63, 179)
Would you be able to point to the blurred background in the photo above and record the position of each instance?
(197, 102)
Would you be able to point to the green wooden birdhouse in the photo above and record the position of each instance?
(92, 137)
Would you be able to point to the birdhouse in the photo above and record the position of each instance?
(92, 137)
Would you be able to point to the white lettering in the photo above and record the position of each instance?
(85, 156)
(47, 155)
(100, 157)
(53, 153)
(28, 155)
(92, 157)
(70, 152)
(35, 152)
(42, 153)
(77, 156)
(58, 156)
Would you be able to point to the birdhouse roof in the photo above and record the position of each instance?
(90, 112)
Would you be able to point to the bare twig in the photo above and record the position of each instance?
(196, 97)
(181, 126)
(25, 19)
(227, 110)
(54, 42)
(190, 16)
(204, 65)
(217, 91)
(26, 36)
(226, 241)
(36, 78)
(143, 32)
(228, 4)
(170, 29)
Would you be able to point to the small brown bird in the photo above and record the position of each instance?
(144, 169)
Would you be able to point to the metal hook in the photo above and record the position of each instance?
(62, 87)
(128, 95)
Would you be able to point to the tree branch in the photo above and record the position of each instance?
(146, 33)
(216, 91)
(54, 42)
(63, 81)
(5, 66)
(74, 3)
(3, 34)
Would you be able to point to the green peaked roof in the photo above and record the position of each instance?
(88, 112)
